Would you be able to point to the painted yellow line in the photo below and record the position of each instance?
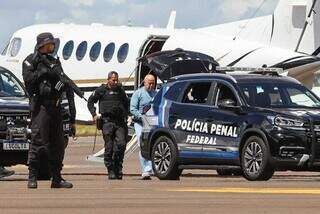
(86, 81)
(252, 190)
(65, 166)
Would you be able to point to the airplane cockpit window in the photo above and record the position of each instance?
(108, 52)
(15, 46)
(56, 47)
(4, 51)
(95, 51)
(123, 52)
(67, 50)
(81, 50)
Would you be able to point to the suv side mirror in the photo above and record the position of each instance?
(228, 104)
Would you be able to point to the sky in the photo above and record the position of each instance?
(16, 14)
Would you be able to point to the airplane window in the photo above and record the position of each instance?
(4, 51)
(56, 47)
(95, 51)
(123, 52)
(108, 52)
(67, 50)
(15, 47)
(81, 50)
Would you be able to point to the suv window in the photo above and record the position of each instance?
(224, 93)
(197, 93)
(175, 91)
(272, 94)
(9, 85)
(298, 98)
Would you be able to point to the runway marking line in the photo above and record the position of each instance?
(251, 190)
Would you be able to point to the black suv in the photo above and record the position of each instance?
(14, 119)
(257, 120)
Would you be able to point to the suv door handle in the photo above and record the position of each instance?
(175, 115)
(210, 119)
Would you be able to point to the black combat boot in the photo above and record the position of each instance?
(120, 173)
(118, 166)
(32, 179)
(111, 174)
(59, 182)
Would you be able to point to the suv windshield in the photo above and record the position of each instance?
(279, 95)
(10, 86)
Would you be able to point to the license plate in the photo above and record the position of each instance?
(15, 145)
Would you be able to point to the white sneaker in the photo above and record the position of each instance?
(145, 176)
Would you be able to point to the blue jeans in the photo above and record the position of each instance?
(146, 165)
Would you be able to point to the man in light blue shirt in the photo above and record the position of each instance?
(139, 100)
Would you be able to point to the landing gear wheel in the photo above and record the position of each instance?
(164, 159)
(255, 160)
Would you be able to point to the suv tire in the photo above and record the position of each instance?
(164, 159)
(255, 160)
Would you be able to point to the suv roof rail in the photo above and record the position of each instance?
(262, 71)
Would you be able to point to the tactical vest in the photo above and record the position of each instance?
(112, 103)
(47, 84)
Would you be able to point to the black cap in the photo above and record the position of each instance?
(45, 38)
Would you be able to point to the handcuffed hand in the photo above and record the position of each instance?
(129, 120)
(95, 118)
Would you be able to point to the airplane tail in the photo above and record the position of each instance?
(296, 26)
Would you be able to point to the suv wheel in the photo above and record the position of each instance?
(165, 159)
(255, 160)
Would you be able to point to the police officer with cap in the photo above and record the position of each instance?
(114, 108)
(45, 89)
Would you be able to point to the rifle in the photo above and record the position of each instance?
(64, 79)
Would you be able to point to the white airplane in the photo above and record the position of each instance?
(289, 38)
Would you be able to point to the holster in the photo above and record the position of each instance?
(99, 123)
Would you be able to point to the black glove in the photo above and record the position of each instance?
(42, 71)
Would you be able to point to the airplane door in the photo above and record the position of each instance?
(153, 44)
(188, 120)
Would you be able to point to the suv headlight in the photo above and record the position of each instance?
(289, 123)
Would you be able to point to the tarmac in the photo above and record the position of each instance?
(197, 191)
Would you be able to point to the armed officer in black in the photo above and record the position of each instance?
(45, 89)
(114, 108)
